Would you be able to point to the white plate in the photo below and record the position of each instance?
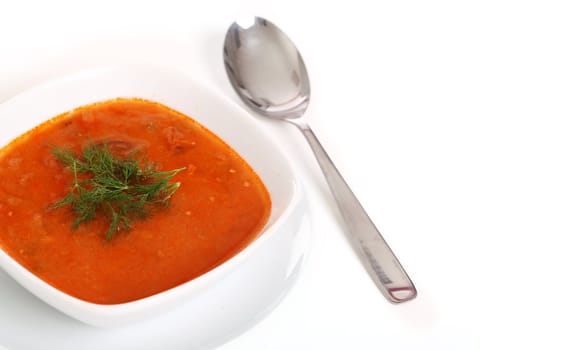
(201, 313)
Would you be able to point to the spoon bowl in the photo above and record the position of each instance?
(268, 73)
(266, 69)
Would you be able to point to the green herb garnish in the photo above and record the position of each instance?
(120, 189)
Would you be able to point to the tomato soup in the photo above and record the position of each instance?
(219, 208)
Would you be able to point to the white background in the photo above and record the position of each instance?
(446, 118)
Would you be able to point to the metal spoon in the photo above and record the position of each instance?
(268, 73)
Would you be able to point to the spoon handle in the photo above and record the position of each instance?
(375, 254)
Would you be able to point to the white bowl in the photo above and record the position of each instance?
(264, 269)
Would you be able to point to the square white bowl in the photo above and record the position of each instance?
(266, 267)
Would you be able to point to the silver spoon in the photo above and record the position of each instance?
(268, 73)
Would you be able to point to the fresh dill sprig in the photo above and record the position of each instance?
(120, 189)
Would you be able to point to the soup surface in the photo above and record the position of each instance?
(220, 207)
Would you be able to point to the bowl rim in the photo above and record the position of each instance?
(90, 312)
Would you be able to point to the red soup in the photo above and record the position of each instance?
(219, 207)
